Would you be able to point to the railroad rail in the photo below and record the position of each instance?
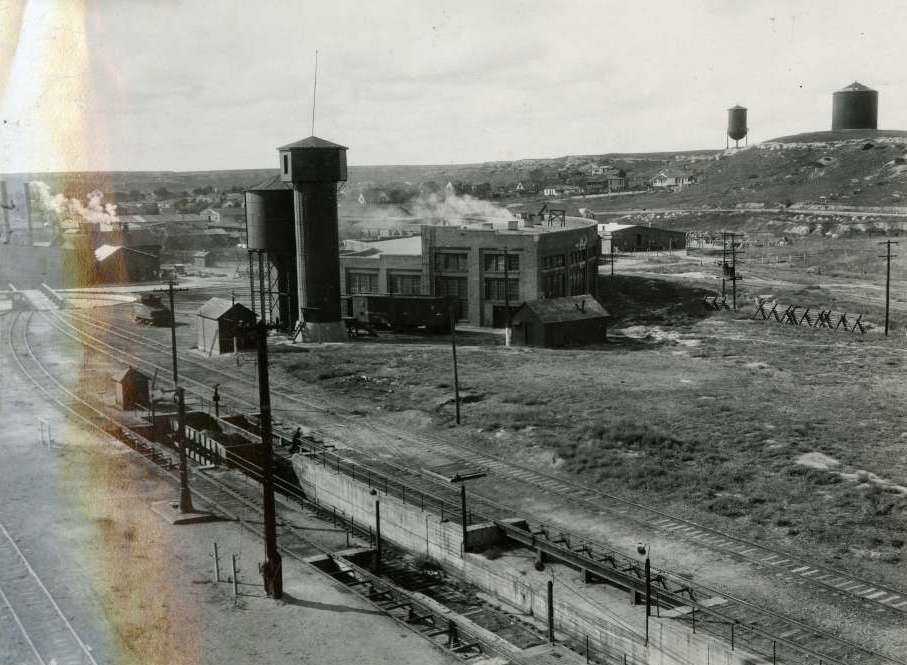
(794, 630)
(231, 501)
(759, 554)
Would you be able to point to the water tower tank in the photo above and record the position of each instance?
(270, 227)
(855, 107)
(314, 166)
(736, 122)
(269, 216)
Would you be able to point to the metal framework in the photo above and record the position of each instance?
(265, 288)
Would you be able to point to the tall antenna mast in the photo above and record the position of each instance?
(314, 92)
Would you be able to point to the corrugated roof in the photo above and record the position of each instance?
(568, 308)
(411, 246)
(856, 86)
(312, 142)
(274, 182)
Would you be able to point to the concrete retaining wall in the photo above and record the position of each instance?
(424, 533)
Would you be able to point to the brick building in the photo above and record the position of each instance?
(485, 266)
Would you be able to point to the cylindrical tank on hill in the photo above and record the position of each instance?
(736, 122)
(855, 107)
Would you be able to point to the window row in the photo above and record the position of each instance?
(496, 262)
(494, 289)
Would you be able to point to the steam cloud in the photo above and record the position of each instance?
(67, 211)
(455, 207)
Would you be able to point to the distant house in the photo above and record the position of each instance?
(671, 179)
(230, 219)
(562, 190)
(566, 321)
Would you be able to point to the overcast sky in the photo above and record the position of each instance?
(215, 84)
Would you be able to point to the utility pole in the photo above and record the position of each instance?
(734, 271)
(463, 513)
(272, 568)
(506, 298)
(453, 349)
(612, 258)
(185, 494)
(723, 262)
(648, 595)
(887, 257)
(170, 290)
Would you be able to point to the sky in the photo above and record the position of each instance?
(219, 84)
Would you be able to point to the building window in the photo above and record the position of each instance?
(494, 289)
(361, 282)
(286, 164)
(450, 262)
(495, 262)
(554, 284)
(553, 261)
(405, 285)
(457, 289)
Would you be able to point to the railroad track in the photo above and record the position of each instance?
(50, 637)
(764, 556)
(771, 628)
(238, 501)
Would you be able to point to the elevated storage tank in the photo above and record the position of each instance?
(270, 229)
(855, 107)
(314, 166)
(736, 123)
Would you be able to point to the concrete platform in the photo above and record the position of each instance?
(549, 654)
(170, 511)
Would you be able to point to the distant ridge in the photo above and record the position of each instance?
(839, 135)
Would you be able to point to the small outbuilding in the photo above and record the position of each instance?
(223, 325)
(117, 264)
(201, 258)
(639, 238)
(132, 389)
(568, 321)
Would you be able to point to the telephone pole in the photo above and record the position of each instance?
(170, 291)
(185, 494)
(887, 257)
(271, 569)
(453, 349)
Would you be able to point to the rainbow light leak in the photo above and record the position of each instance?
(47, 79)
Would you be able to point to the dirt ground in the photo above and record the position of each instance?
(139, 590)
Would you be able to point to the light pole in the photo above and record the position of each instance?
(644, 548)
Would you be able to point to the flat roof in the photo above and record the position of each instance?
(409, 246)
(611, 227)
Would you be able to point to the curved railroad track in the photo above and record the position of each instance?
(743, 549)
(789, 633)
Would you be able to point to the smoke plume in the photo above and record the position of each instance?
(64, 211)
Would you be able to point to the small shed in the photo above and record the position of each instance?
(132, 389)
(116, 264)
(568, 321)
(201, 258)
(219, 322)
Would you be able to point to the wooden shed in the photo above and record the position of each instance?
(219, 322)
(568, 321)
(132, 389)
(201, 258)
